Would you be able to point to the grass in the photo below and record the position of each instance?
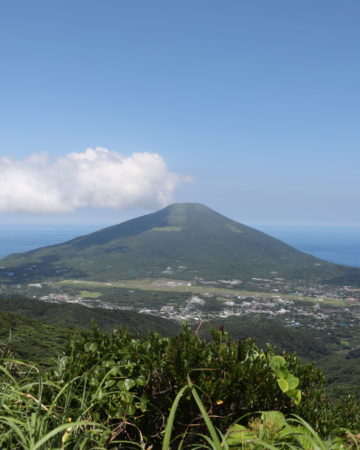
(271, 430)
(90, 294)
(29, 421)
(89, 401)
(167, 229)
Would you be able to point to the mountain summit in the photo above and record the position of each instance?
(183, 241)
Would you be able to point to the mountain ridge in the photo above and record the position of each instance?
(184, 240)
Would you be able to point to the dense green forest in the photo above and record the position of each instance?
(70, 315)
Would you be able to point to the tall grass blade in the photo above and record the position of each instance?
(13, 424)
(170, 422)
(314, 438)
(61, 428)
(210, 426)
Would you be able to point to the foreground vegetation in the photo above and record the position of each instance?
(121, 391)
(40, 331)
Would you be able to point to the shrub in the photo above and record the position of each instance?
(119, 387)
(133, 379)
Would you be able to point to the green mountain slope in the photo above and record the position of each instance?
(69, 315)
(30, 339)
(39, 332)
(182, 240)
(307, 343)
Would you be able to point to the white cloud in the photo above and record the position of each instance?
(97, 177)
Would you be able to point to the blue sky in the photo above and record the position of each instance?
(256, 101)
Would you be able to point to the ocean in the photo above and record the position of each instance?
(340, 245)
(21, 238)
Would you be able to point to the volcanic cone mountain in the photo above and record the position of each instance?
(181, 241)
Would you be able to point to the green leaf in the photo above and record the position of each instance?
(141, 380)
(277, 362)
(126, 385)
(127, 397)
(90, 347)
(109, 384)
(295, 394)
(114, 371)
(143, 403)
(282, 373)
(108, 363)
(130, 409)
(273, 420)
(238, 434)
(283, 384)
(275, 417)
(293, 381)
(129, 383)
(87, 346)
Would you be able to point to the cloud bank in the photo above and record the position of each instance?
(94, 178)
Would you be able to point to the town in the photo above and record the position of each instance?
(293, 303)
